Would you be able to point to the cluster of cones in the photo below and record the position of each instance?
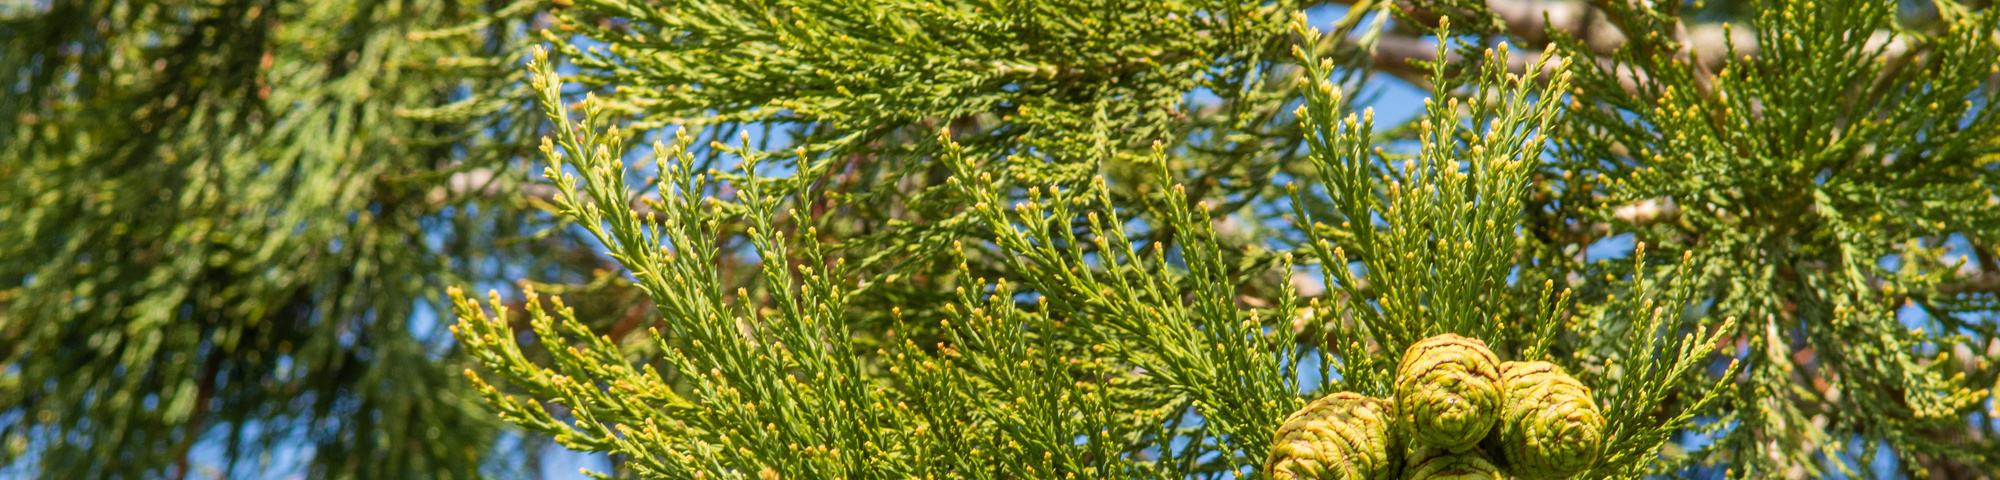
(1458, 413)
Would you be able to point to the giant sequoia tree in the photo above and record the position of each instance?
(1011, 239)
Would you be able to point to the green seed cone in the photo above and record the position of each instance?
(1432, 463)
(1552, 428)
(1448, 392)
(1343, 436)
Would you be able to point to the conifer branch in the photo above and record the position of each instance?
(487, 183)
(1705, 46)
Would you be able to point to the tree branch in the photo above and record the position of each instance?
(1396, 56)
(1987, 282)
(1708, 47)
(484, 183)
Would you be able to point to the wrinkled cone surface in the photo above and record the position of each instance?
(1551, 427)
(1448, 392)
(1432, 463)
(1343, 436)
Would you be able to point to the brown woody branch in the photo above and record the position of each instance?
(1973, 283)
(1708, 47)
(484, 183)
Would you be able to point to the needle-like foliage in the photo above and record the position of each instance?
(1814, 181)
(1109, 357)
(218, 228)
(1003, 238)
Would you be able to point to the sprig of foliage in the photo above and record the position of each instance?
(1434, 258)
(863, 88)
(1437, 235)
(1637, 354)
(1797, 177)
(1178, 323)
(735, 366)
(773, 391)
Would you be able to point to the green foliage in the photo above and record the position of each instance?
(1840, 138)
(1108, 357)
(1022, 239)
(1436, 233)
(215, 229)
(863, 88)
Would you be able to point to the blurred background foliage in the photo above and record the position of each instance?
(225, 228)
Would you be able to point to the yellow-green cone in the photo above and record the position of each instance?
(1551, 428)
(1343, 436)
(1432, 463)
(1448, 392)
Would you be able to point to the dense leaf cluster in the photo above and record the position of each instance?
(218, 228)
